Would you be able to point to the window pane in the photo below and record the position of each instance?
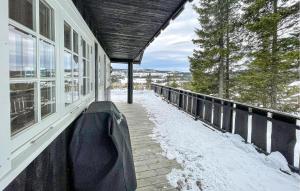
(83, 48)
(47, 59)
(22, 12)
(68, 64)
(46, 21)
(67, 36)
(23, 110)
(75, 89)
(68, 91)
(75, 67)
(48, 100)
(75, 42)
(22, 62)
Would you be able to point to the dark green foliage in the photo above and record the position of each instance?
(217, 47)
(262, 37)
(275, 55)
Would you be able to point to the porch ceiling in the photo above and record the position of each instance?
(126, 27)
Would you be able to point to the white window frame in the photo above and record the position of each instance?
(20, 138)
(18, 151)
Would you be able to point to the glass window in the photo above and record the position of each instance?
(23, 110)
(47, 59)
(22, 12)
(75, 66)
(46, 21)
(68, 64)
(75, 89)
(67, 36)
(22, 62)
(48, 101)
(68, 91)
(75, 42)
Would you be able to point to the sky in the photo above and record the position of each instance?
(170, 50)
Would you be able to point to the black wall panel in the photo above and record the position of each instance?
(284, 138)
(259, 129)
(194, 109)
(241, 123)
(200, 105)
(217, 114)
(227, 117)
(189, 109)
(208, 109)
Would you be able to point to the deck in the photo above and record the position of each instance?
(150, 165)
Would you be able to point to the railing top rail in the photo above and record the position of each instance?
(234, 102)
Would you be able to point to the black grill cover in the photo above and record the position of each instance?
(101, 152)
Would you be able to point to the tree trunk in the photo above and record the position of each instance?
(274, 68)
(227, 53)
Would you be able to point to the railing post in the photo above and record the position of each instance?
(249, 133)
(222, 114)
(233, 118)
(269, 132)
(204, 108)
(212, 111)
(297, 146)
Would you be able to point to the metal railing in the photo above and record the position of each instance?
(268, 130)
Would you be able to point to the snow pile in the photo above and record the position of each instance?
(211, 160)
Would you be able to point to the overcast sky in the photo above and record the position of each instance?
(170, 50)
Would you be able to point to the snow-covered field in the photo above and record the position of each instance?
(211, 160)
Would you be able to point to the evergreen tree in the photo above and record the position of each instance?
(273, 48)
(148, 81)
(217, 46)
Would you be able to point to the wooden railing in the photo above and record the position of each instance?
(268, 130)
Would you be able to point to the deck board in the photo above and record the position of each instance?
(150, 165)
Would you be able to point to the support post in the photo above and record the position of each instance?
(130, 83)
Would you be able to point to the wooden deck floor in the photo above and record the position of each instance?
(150, 166)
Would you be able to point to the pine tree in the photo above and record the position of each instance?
(273, 50)
(217, 44)
(148, 81)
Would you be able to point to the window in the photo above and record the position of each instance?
(22, 12)
(67, 36)
(46, 24)
(23, 105)
(71, 67)
(75, 42)
(31, 77)
(85, 88)
(48, 99)
(47, 60)
(22, 54)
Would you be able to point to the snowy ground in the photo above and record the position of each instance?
(211, 160)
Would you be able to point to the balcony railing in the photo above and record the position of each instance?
(268, 130)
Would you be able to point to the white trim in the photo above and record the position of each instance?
(212, 111)
(233, 118)
(269, 133)
(5, 163)
(222, 115)
(249, 133)
(297, 147)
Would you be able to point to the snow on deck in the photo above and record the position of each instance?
(210, 160)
